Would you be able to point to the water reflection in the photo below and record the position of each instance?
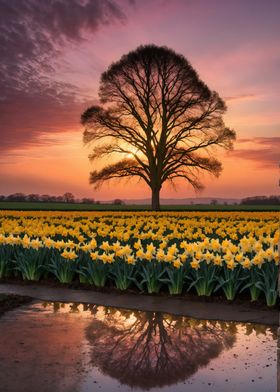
(149, 349)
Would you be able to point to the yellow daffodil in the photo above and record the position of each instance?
(70, 255)
(177, 263)
(231, 264)
(195, 264)
(246, 263)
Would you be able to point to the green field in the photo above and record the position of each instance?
(43, 206)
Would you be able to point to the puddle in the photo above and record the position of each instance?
(84, 348)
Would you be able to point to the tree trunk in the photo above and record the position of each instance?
(155, 199)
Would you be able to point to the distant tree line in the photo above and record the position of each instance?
(260, 200)
(67, 197)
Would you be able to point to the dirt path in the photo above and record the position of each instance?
(177, 306)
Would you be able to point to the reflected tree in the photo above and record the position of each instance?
(149, 349)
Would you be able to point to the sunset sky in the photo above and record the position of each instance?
(54, 51)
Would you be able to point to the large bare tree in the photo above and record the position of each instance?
(158, 121)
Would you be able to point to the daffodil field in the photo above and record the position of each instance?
(205, 253)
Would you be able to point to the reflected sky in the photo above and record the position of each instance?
(84, 348)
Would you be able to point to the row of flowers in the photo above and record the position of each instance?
(150, 270)
(247, 253)
(123, 226)
(178, 252)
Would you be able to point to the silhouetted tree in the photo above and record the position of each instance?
(118, 202)
(68, 197)
(160, 117)
(33, 197)
(261, 200)
(45, 198)
(16, 197)
(87, 200)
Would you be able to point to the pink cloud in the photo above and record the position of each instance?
(262, 150)
(241, 97)
(33, 37)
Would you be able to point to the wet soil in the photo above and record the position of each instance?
(11, 301)
(218, 297)
(182, 306)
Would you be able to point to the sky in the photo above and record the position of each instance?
(54, 51)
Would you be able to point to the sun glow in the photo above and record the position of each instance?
(133, 152)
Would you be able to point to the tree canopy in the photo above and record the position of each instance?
(157, 120)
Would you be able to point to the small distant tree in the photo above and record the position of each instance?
(68, 197)
(158, 119)
(118, 202)
(16, 197)
(33, 197)
(45, 198)
(214, 202)
(87, 200)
